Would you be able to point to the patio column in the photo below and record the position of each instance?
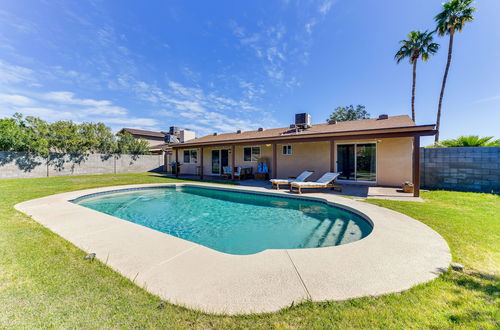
(176, 163)
(416, 166)
(332, 155)
(275, 162)
(201, 163)
(232, 161)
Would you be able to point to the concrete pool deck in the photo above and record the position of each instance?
(399, 253)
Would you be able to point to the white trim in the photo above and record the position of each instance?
(251, 161)
(286, 145)
(190, 159)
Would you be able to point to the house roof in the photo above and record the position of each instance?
(135, 131)
(163, 146)
(354, 127)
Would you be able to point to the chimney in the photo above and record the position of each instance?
(382, 117)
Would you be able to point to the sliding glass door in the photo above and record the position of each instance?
(220, 158)
(357, 161)
(345, 161)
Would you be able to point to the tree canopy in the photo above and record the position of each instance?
(32, 134)
(348, 113)
(418, 45)
(469, 141)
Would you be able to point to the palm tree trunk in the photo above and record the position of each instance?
(438, 120)
(413, 89)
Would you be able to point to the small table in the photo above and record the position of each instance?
(246, 171)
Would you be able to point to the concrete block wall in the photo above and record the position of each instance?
(14, 165)
(462, 169)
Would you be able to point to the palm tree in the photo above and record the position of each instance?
(469, 141)
(418, 45)
(453, 17)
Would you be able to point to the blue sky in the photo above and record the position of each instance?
(228, 65)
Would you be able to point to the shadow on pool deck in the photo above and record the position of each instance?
(350, 190)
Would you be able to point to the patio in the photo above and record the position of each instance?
(351, 190)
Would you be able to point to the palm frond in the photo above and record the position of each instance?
(454, 15)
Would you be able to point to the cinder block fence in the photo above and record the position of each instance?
(462, 169)
(15, 165)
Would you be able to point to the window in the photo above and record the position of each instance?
(287, 150)
(190, 156)
(251, 154)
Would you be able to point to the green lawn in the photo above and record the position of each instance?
(44, 281)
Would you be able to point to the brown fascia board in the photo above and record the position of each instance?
(410, 131)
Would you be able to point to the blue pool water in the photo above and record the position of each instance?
(233, 222)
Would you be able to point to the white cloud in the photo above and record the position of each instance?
(14, 74)
(325, 7)
(98, 107)
(309, 26)
(488, 99)
(45, 113)
(16, 100)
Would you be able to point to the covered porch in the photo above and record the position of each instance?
(364, 160)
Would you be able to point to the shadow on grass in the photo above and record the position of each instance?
(485, 283)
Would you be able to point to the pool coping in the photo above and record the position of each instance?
(398, 254)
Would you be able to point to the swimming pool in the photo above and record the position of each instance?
(231, 221)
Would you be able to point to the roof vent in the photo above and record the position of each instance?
(332, 122)
(215, 133)
(238, 131)
(382, 117)
(260, 129)
(292, 125)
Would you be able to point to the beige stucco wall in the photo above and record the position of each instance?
(394, 159)
(312, 156)
(152, 141)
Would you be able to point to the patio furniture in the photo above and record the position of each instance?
(226, 172)
(326, 181)
(237, 173)
(246, 171)
(285, 182)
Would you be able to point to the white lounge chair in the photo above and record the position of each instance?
(285, 182)
(326, 181)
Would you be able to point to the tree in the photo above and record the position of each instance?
(418, 45)
(24, 135)
(32, 134)
(348, 113)
(469, 141)
(453, 18)
(128, 144)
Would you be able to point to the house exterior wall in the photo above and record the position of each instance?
(311, 156)
(151, 140)
(394, 159)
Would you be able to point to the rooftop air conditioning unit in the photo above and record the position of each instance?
(303, 120)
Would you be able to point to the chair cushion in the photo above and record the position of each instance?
(303, 176)
(328, 177)
(284, 181)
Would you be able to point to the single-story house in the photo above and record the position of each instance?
(381, 151)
